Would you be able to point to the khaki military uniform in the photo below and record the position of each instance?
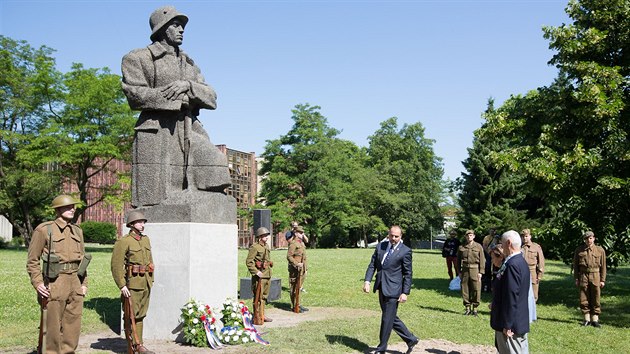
(65, 305)
(589, 268)
(296, 254)
(471, 262)
(129, 251)
(259, 259)
(535, 259)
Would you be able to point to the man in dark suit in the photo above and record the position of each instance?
(392, 262)
(509, 314)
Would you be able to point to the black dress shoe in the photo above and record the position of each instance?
(596, 324)
(585, 323)
(303, 309)
(411, 345)
(267, 319)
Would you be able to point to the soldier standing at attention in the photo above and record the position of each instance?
(471, 263)
(449, 251)
(62, 281)
(132, 269)
(535, 259)
(589, 271)
(259, 264)
(296, 255)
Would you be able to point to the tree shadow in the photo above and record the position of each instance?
(352, 343)
(108, 309)
(438, 285)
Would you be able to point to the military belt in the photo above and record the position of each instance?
(589, 270)
(262, 266)
(137, 269)
(69, 267)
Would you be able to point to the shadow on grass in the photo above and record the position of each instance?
(108, 309)
(440, 351)
(352, 343)
(438, 285)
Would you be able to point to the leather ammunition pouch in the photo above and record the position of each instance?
(137, 269)
(85, 262)
(51, 266)
(263, 265)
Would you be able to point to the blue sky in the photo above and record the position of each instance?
(434, 62)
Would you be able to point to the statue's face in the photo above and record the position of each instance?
(174, 32)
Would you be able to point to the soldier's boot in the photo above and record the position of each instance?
(595, 322)
(587, 319)
(474, 312)
(467, 312)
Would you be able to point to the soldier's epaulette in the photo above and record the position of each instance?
(44, 224)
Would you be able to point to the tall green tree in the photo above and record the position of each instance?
(30, 87)
(570, 139)
(412, 176)
(93, 127)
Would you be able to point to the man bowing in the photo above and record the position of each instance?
(392, 262)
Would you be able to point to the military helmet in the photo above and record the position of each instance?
(63, 200)
(588, 234)
(134, 215)
(262, 231)
(160, 17)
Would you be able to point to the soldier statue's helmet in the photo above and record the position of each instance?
(160, 17)
(262, 231)
(588, 234)
(133, 216)
(63, 200)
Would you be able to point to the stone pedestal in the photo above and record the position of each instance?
(192, 260)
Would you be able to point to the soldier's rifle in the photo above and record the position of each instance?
(43, 322)
(296, 291)
(131, 334)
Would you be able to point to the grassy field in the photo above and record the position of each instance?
(334, 280)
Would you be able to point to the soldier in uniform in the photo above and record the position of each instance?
(471, 263)
(589, 270)
(132, 269)
(535, 259)
(59, 243)
(296, 255)
(259, 264)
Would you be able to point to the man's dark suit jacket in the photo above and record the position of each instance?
(510, 293)
(394, 277)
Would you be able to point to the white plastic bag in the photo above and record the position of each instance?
(455, 284)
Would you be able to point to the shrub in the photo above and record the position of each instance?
(99, 232)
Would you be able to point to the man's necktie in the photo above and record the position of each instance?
(389, 253)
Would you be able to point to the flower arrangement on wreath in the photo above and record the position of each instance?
(235, 317)
(204, 327)
(193, 317)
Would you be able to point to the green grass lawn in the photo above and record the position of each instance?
(335, 279)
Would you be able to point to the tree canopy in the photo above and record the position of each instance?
(567, 143)
(342, 193)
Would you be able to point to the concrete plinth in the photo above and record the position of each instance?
(192, 260)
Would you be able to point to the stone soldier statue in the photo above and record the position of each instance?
(296, 255)
(62, 280)
(535, 259)
(259, 264)
(132, 269)
(589, 270)
(471, 263)
(171, 150)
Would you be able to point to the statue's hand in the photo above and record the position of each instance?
(174, 89)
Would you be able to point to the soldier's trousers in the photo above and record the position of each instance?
(590, 293)
(532, 272)
(265, 284)
(471, 287)
(140, 299)
(65, 307)
(451, 262)
(293, 279)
